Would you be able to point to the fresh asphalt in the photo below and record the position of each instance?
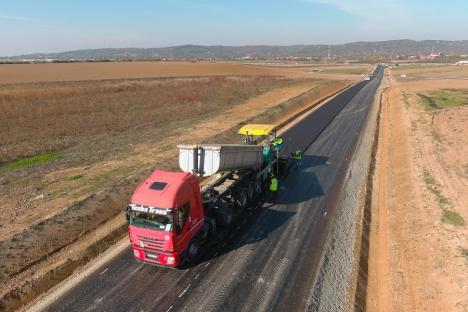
(269, 260)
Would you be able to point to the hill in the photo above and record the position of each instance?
(355, 49)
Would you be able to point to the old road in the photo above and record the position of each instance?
(268, 262)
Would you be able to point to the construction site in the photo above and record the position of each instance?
(233, 156)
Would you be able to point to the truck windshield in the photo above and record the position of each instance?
(151, 221)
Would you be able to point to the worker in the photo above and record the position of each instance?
(273, 188)
(297, 157)
(277, 143)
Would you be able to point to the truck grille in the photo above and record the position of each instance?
(152, 244)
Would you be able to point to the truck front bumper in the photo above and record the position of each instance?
(164, 259)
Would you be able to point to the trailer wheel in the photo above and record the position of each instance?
(212, 231)
(258, 187)
(224, 214)
(193, 250)
(251, 190)
(242, 199)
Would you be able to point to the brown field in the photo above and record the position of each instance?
(419, 234)
(29, 73)
(327, 71)
(432, 71)
(72, 151)
(38, 119)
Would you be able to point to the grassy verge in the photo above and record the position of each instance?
(434, 187)
(452, 217)
(448, 216)
(441, 99)
(33, 160)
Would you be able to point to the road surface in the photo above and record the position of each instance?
(269, 261)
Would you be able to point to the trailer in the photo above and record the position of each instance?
(171, 215)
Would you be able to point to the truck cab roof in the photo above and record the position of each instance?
(160, 189)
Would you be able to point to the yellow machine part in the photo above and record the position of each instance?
(257, 129)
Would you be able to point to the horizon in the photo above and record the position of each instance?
(30, 27)
(228, 46)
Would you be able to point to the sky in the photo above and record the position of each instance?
(31, 26)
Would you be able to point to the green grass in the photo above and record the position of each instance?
(443, 99)
(74, 177)
(453, 218)
(448, 216)
(348, 71)
(32, 160)
(434, 187)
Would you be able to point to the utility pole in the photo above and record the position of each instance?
(329, 52)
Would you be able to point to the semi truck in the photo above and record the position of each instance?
(171, 214)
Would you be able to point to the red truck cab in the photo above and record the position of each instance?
(165, 217)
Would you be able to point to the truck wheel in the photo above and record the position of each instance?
(251, 190)
(224, 214)
(212, 230)
(227, 217)
(258, 187)
(193, 249)
(242, 199)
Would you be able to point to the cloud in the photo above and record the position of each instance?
(367, 9)
(377, 19)
(19, 18)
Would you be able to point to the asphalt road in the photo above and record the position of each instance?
(269, 261)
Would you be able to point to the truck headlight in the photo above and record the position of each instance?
(136, 253)
(170, 260)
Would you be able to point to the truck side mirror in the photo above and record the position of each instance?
(127, 214)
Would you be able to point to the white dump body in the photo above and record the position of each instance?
(214, 158)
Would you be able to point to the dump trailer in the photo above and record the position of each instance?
(171, 214)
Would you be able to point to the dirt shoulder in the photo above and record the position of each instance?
(418, 256)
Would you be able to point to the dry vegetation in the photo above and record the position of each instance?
(39, 119)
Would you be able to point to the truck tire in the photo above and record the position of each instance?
(258, 187)
(193, 249)
(212, 224)
(242, 199)
(251, 190)
(224, 214)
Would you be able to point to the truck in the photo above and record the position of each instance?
(171, 214)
